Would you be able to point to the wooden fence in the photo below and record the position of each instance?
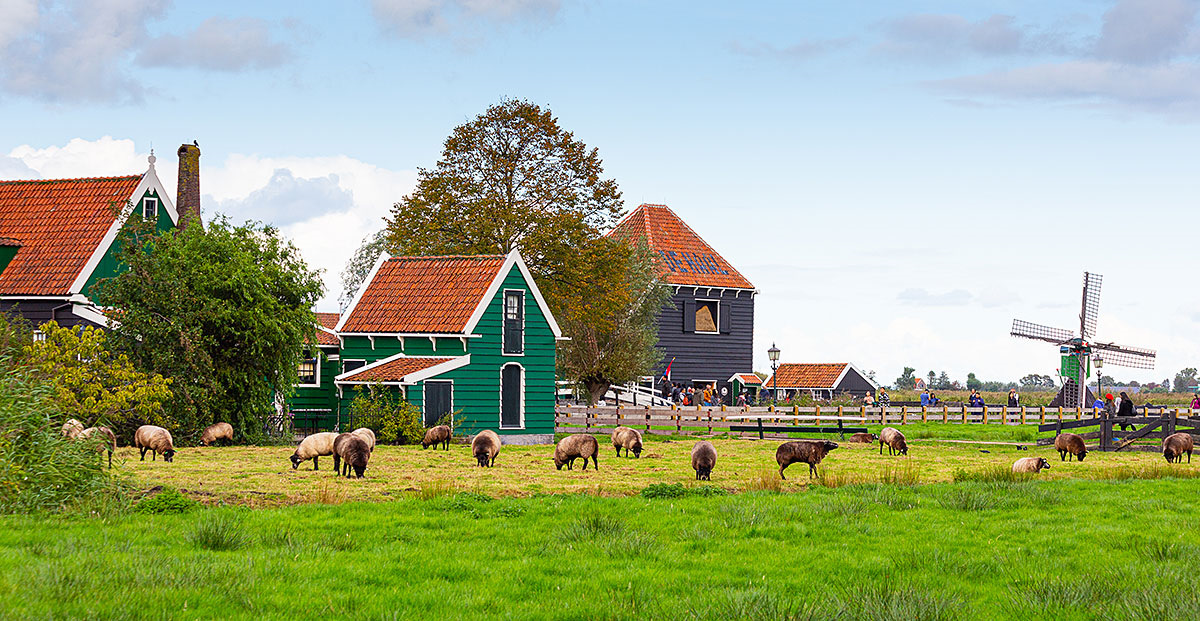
(719, 419)
(1152, 427)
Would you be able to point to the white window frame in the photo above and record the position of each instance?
(39, 336)
(316, 370)
(504, 319)
(345, 360)
(521, 409)
(716, 316)
(148, 201)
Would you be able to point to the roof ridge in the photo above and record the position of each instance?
(447, 256)
(71, 179)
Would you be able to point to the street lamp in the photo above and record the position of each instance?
(773, 354)
(1099, 377)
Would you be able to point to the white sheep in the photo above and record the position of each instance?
(312, 447)
(156, 440)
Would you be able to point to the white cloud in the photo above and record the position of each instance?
(218, 44)
(419, 18)
(19, 15)
(945, 36)
(1146, 31)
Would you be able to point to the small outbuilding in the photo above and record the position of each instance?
(745, 382)
(819, 380)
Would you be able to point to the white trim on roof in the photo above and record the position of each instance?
(738, 377)
(90, 313)
(383, 256)
(513, 258)
(863, 375)
(456, 362)
(440, 335)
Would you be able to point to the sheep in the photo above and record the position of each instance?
(627, 438)
(435, 436)
(1070, 444)
(367, 435)
(1175, 445)
(575, 446)
(312, 447)
(156, 440)
(704, 459)
(72, 428)
(810, 452)
(864, 438)
(108, 440)
(485, 447)
(894, 441)
(1031, 464)
(352, 451)
(218, 431)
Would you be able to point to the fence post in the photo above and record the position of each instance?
(924, 414)
(817, 413)
(1022, 415)
(964, 407)
(760, 428)
(1042, 415)
(904, 415)
(985, 414)
(945, 413)
(710, 421)
(647, 418)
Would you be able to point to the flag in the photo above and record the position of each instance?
(667, 373)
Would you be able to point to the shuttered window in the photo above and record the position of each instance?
(307, 370)
(514, 322)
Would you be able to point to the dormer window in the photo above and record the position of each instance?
(150, 208)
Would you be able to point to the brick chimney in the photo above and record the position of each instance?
(188, 201)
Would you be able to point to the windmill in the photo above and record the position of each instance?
(1077, 351)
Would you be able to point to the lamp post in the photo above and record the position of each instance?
(773, 354)
(1099, 377)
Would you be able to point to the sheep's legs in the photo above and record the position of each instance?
(315, 462)
(781, 473)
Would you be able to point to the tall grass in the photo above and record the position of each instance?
(219, 531)
(904, 475)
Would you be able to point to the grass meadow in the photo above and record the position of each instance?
(946, 533)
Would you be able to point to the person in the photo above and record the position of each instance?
(1126, 409)
(1098, 405)
(742, 400)
(1110, 408)
(1014, 400)
(675, 394)
(666, 387)
(869, 400)
(925, 399)
(933, 400)
(884, 399)
(1195, 402)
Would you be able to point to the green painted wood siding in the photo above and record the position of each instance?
(109, 264)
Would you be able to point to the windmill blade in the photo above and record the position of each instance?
(1122, 356)
(1090, 309)
(1030, 330)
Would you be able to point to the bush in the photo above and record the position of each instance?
(394, 420)
(168, 501)
(677, 490)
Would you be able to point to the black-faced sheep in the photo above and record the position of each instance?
(810, 452)
(894, 441)
(435, 436)
(628, 439)
(1031, 464)
(312, 447)
(218, 431)
(367, 435)
(352, 451)
(1070, 444)
(156, 440)
(1175, 445)
(72, 428)
(863, 438)
(485, 447)
(575, 446)
(704, 459)
(107, 440)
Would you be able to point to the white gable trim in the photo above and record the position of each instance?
(513, 258)
(90, 313)
(862, 375)
(383, 256)
(411, 378)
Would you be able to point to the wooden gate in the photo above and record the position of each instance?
(1150, 426)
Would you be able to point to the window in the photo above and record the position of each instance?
(150, 208)
(514, 322)
(39, 336)
(706, 315)
(309, 371)
(350, 365)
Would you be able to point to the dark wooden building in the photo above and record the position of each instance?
(706, 330)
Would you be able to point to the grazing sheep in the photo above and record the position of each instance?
(218, 431)
(704, 459)
(894, 441)
(72, 428)
(627, 438)
(107, 443)
(810, 452)
(1175, 445)
(485, 447)
(575, 446)
(352, 451)
(435, 436)
(367, 435)
(312, 447)
(864, 438)
(1031, 464)
(156, 440)
(1070, 444)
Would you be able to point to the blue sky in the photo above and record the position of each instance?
(899, 180)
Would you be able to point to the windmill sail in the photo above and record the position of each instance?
(1123, 356)
(1090, 310)
(1030, 330)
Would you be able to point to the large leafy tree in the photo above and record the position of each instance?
(356, 269)
(223, 311)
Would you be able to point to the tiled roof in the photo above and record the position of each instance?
(393, 371)
(423, 294)
(749, 379)
(800, 375)
(58, 223)
(687, 258)
(329, 322)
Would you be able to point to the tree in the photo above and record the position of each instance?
(94, 385)
(1033, 381)
(223, 311)
(973, 382)
(907, 379)
(943, 381)
(359, 267)
(932, 378)
(1186, 379)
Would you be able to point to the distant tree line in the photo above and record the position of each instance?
(1185, 380)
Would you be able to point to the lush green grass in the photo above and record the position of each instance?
(1063, 549)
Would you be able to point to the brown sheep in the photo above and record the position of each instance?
(107, 440)
(863, 438)
(312, 447)
(218, 431)
(575, 446)
(1031, 464)
(72, 428)
(485, 447)
(1175, 445)
(156, 440)
(627, 438)
(435, 436)
(894, 441)
(810, 452)
(367, 435)
(704, 459)
(1070, 444)
(352, 451)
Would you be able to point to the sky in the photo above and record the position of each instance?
(898, 180)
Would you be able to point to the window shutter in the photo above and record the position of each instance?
(689, 315)
(723, 317)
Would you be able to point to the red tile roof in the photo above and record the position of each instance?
(749, 379)
(58, 223)
(393, 371)
(434, 295)
(329, 322)
(688, 260)
(800, 375)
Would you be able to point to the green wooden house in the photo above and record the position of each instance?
(314, 402)
(464, 334)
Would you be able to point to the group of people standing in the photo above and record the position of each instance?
(679, 395)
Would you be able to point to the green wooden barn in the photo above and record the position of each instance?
(464, 334)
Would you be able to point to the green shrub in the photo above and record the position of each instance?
(394, 420)
(167, 501)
